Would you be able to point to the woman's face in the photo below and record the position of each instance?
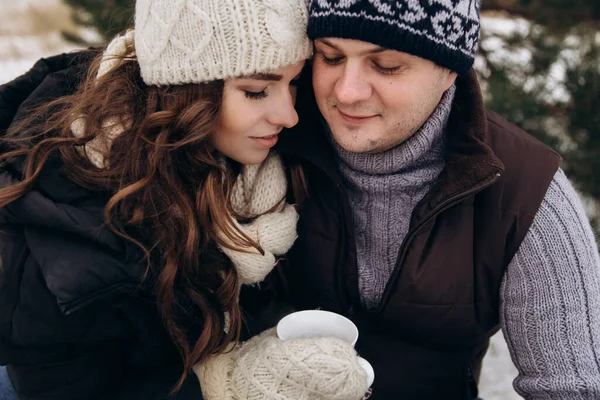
(254, 110)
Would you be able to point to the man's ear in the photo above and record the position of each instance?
(449, 79)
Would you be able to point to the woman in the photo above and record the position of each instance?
(138, 192)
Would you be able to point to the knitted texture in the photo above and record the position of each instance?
(193, 41)
(97, 149)
(550, 302)
(117, 47)
(259, 189)
(443, 31)
(550, 297)
(266, 367)
(383, 189)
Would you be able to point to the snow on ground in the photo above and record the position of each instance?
(497, 372)
(30, 29)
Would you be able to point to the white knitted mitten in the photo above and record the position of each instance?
(266, 368)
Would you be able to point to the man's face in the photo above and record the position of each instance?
(374, 98)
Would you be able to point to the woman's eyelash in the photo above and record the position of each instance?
(255, 95)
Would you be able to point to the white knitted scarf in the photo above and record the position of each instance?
(258, 193)
(258, 189)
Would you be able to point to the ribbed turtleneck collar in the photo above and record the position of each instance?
(425, 146)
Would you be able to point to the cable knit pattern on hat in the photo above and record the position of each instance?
(443, 31)
(193, 41)
(383, 189)
(258, 189)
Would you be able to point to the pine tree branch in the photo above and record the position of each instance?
(536, 10)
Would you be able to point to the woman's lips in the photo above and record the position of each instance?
(267, 141)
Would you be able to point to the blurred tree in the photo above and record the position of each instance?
(544, 75)
(108, 17)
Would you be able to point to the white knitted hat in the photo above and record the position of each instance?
(194, 41)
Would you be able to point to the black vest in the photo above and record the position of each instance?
(441, 304)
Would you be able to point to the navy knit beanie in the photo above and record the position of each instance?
(443, 31)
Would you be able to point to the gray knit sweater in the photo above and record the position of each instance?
(550, 294)
(383, 189)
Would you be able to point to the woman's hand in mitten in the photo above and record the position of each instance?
(266, 367)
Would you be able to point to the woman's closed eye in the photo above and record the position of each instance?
(255, 95)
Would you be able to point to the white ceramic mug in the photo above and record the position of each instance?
(319, 323)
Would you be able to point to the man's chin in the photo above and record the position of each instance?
(353, 146)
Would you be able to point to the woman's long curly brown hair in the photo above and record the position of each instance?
(167, 185)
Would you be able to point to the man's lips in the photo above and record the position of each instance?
(355, 119)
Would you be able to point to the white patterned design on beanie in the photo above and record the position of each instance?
(259, 189)
(443, 31)
(194, 41)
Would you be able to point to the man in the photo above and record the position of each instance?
(432, 221)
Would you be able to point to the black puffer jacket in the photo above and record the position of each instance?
(76, 322)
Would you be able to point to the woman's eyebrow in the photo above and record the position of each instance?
(264, 77)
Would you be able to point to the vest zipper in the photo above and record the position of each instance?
(346, 304)
(411, 235)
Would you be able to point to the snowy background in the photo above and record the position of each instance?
(31, 29)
